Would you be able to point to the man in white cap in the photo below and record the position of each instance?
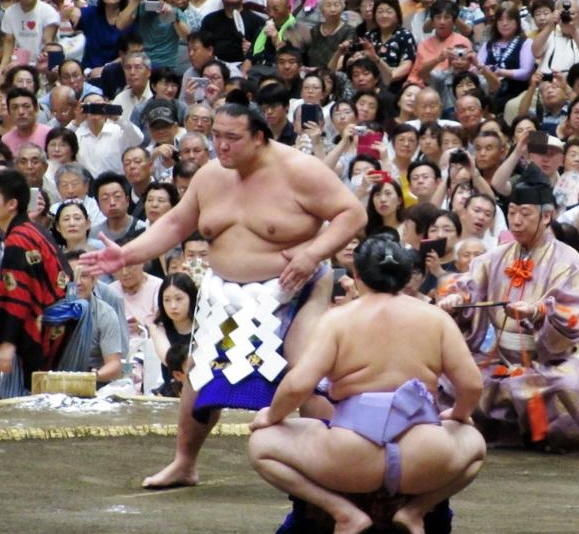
(548, 156)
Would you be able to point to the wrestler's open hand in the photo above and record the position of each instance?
(107, 260)
(298, 271)
(261, 420)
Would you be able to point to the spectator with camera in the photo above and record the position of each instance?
(161, 24)
(102, 135)
(161, 117)
(552, 103)
(461, 59)
(556, 47)
(434, 52)
(392, 44)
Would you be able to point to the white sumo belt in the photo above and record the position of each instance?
(252, 307)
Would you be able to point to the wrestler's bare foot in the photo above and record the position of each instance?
(173, 476)
(410, 518)
(354, 522)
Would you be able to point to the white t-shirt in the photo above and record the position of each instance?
(27, 28)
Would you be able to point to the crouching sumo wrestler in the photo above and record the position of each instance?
(386, 431)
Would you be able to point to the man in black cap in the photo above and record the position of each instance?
(528, 291)
(162, 119)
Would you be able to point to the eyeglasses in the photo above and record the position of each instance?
(214, 77)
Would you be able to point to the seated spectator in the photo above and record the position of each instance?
(551, 102)
(63, 104)
(70, 73)
(161, 31)
(183, 172)
(103, 139)
(478, 217)
(194, 147)
(112, 78)
(165, 84)
(469, 113)
(71, 227)
(394, 46)
(461, 60)
(444, 225)
(137, 166)
(385, 206)
(140, 294)
(289, 61)
(364, 75)
(489, 154)
(283, 29)
(274, 102)
(106, 348)
(404, 143)
(165, 132)
(73, 183)
(159, 198)
(427, 108)
(30, 160)
(229, 45)
(423, 177)
(199, 118)
(326, 36)
(508, 54)
(174, 321)
(27, 25)
(23, 110)
(98, 24)
(200, 46)
(362, 176)
(137, 69)
(556, 45)
(111, 192)
(432, 52)
(466, 250)
(429, 142)
(61, 147)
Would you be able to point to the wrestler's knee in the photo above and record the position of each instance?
(260, 446)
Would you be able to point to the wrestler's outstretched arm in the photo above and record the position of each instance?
(297, 386)
(170, 230)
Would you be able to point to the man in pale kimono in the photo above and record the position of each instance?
(531, 370)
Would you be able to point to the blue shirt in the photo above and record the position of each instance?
(101, 37)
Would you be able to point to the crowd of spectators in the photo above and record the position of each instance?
(425, 110)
